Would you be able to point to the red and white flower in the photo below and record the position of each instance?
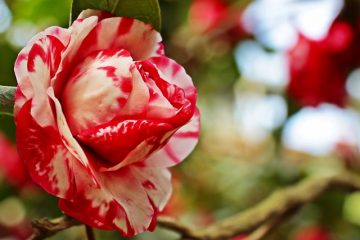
(101, 113)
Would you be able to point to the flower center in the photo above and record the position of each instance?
(97, 89)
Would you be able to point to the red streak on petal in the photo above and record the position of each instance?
(160, 50)
(57, 31)
(171, 154)
(187, 134)
(130, 230)
(113, 141)
(126, 84)
(149, 185)
(21, 57)
(153, 222)
(125, 26)
(19, 93)
(121, 101)
(110, 72)
(55, 49)
(90, 41)
(175, 68)
(36, 50)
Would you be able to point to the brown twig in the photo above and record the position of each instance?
(44, 227)
(258, 220)
(89, 233)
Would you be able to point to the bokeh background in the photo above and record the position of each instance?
(279, 94)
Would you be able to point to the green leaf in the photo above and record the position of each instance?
(144, 10)
(7, 98)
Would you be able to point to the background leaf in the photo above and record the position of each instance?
(145, 10)
(7, 96)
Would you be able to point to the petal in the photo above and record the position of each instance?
(91, 205)
(139, 38)
(173, 73)
(46, 158)
(20, 100)
(97, 90)
(180, 145)
(68, 140)
(79, 30)
(158, 106)
(42, 64)
(139, 97)
(183, 102)
(113, 206)
(114, 141)
(20, 68)
(157, 184)
(34, 68)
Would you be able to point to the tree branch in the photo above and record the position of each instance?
(44, 227)
(258, 220)
(7, 98)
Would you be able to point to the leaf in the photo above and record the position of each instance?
(7, 98)
(144, 10)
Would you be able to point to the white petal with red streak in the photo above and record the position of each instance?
(122, 142)
(157, 184)
(141, 151)
(47, 160)
(139, 96)
(42, 63)
(172, 72)
(20, 68)
(180, 145)
(136, 208)
(90, 98)
(159, 106)
(139, 38)
(79, 30)
(68, 140)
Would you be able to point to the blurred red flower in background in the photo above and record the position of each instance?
(241, 237)
(217, 16)
(12, 171)
(206, 15)
(319, 69)
(20, 232)
(11, 167)
(311, 233)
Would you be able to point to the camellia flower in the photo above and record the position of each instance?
(101, 113)
(319, 68)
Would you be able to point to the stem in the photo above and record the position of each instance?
(89, 233)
